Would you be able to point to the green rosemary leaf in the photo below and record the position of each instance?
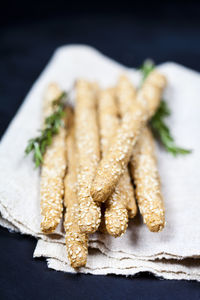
(146, 68)
(37, 154)
(39, 144)
(30, 146)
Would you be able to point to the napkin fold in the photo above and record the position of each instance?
(173, 253)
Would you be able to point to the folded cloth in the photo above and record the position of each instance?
(172, 253)
(101, 264)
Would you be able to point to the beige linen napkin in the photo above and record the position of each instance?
(162, 253)
(101, 264)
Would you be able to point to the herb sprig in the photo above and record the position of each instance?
(52, 124)
(160, 128)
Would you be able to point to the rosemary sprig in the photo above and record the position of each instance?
(146, 69)
(159, 127)
(39, 144)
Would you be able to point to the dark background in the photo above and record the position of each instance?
(29, 33)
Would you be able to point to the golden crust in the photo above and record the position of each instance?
(116, 214)
(114, 163)
(146, 174)
(87, 138)
(52, 171)
(125, 104)
(148, 190)
(151, 91)
(76, 242)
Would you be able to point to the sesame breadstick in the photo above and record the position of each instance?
(76, 241)
(125, 104)
(114, 163)
(88, 148)
(144, 171)
(52, 171)
(146, 178)
(116, 213)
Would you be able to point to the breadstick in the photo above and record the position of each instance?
(146, 178)
(144, 170)
(114, 163)
(52, 171)
(88, 149)
(76, 241)
(125, 104)
(116, 214)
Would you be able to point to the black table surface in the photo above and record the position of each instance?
(26, 45)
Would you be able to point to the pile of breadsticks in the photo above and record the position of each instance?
(101, 161)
